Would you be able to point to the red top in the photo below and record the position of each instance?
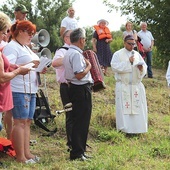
(6, 101)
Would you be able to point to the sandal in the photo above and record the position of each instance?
(36, 159)
(30, 161)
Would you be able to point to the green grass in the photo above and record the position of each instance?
(111, 150)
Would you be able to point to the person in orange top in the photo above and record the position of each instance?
(101, 44)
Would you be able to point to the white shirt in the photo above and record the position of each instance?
(60, 71)
(146, 38)
(168, 74)
(74, 63)
(3, 43)
(69, 23)
(18, 54)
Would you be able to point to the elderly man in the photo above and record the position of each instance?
(148, 41)
(131, 107)
(77, 73)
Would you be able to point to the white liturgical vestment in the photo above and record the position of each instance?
(131, 105)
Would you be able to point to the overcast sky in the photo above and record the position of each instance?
(90, 11)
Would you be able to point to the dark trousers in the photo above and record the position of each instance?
(149, 63)
(64, 93)
(80, 96)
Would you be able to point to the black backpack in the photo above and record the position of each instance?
(42, 115)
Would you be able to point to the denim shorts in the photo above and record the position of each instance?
(24, 105)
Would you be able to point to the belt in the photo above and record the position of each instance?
(87, 84)
(64, 83)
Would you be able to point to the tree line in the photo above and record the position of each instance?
(157, 15)
(47, 14)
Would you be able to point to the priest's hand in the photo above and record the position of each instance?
(140, 67)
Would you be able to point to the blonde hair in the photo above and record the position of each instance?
(5, 21)
(128, 22)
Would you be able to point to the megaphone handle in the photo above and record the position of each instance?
(38, 78)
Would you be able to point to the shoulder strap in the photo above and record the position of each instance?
(66, 48)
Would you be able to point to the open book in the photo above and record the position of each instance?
(30, 65)
(44, 62)
(140, 63)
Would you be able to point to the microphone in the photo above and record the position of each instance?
(132, 55)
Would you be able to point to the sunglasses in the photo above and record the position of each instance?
(29, 33)
(132, 44)
(4, 33)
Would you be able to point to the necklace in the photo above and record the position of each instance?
(27, 97)
(18, 42)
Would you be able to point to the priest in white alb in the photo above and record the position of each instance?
(131, 106)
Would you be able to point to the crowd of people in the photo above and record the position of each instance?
(18, 84)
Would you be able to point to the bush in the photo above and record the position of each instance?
(116, 44)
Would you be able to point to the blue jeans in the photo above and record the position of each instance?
(24, 105)
(148, 60)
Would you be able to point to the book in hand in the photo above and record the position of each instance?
(30, 65)
(44, 62)
(140, 63)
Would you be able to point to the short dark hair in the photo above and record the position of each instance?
(129, 37)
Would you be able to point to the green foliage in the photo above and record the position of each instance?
(117, 44)
(156, 13)
(89, 35)
(46, 14)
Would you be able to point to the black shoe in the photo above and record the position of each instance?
(80, 158)
(150, 76)
(131, 135)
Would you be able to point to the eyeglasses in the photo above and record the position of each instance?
(84, 38)
(4, 33)
(132, 44)
(29, 33)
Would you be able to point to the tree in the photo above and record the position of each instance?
(157, 14)
(46, 14)
(89, 35)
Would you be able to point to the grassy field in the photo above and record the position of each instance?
(111, 150)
